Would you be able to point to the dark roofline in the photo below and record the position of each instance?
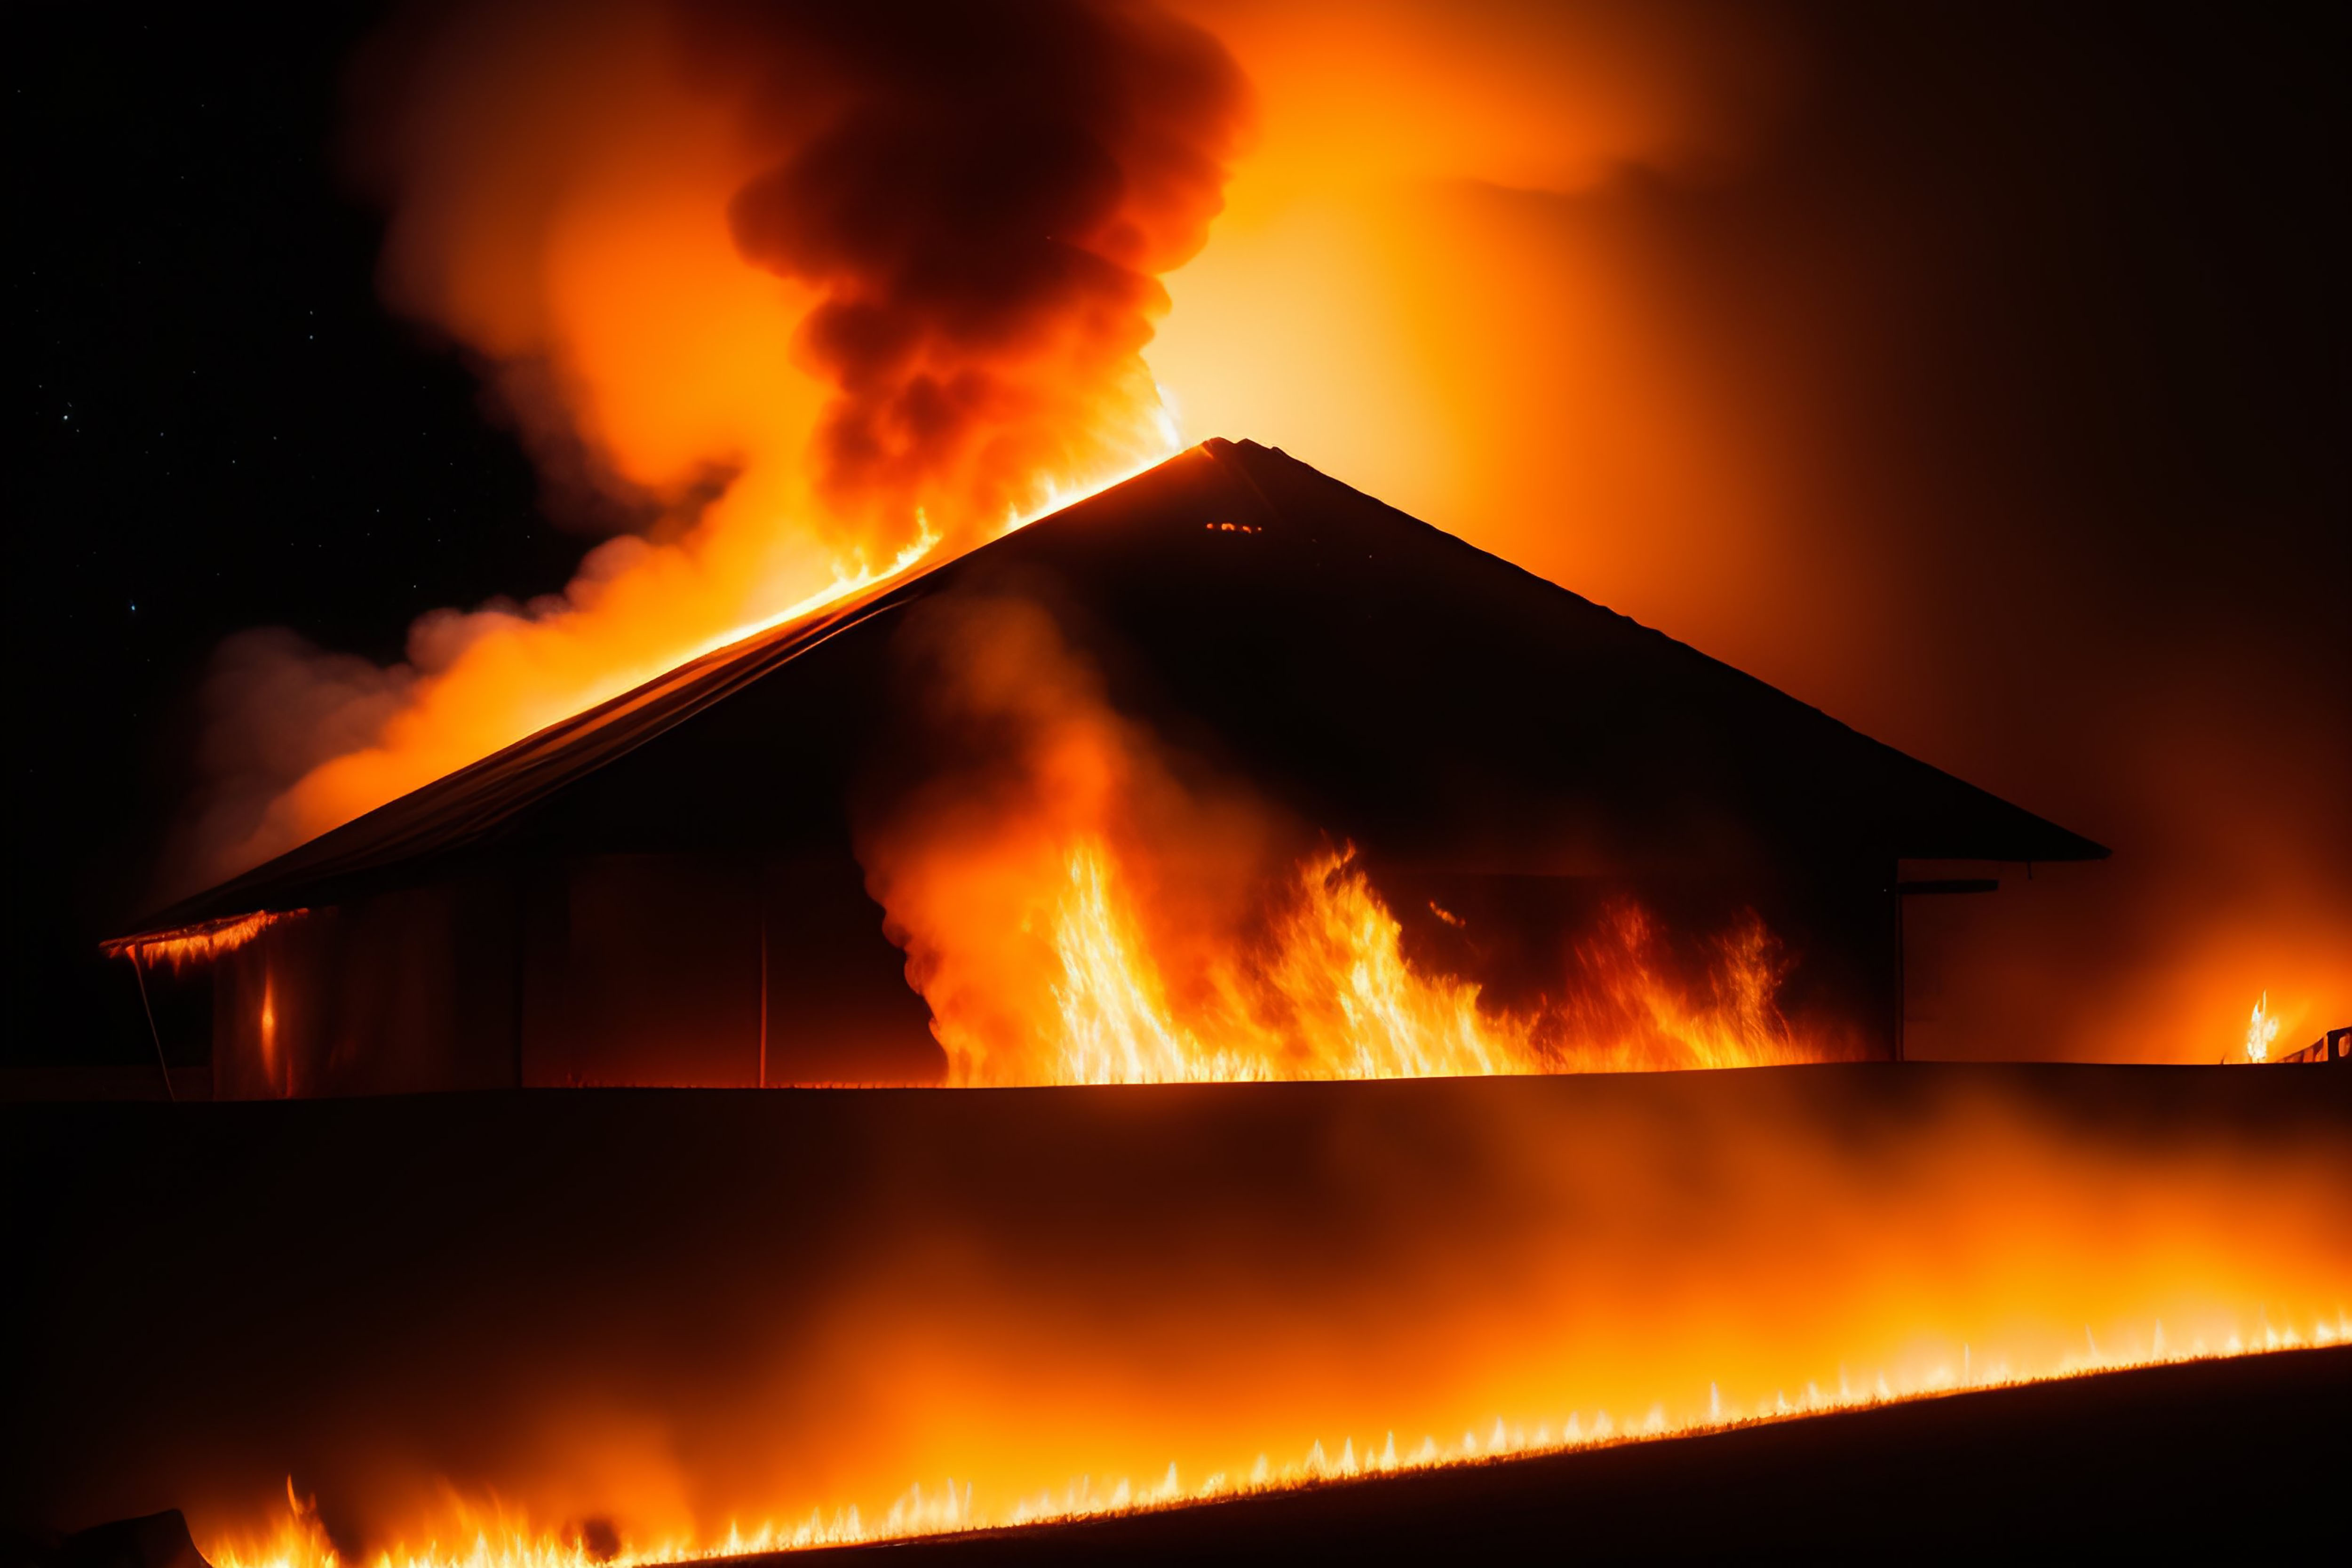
(469, 808)
(2056, 844)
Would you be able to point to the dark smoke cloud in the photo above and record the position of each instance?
(969, 204)
(981, 194)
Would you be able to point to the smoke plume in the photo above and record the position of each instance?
(983, 217)
(800, 293)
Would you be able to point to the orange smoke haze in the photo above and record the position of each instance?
(1679, 306)
(808, 295)
(1729, 318)
(785, 1306)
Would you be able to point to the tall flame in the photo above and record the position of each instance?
(1081, 903)
(1334, 996)
(2261, 1030)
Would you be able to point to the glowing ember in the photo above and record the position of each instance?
(2261, 1030)
(199, 944)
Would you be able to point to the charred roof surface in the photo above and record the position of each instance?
(1385, 680)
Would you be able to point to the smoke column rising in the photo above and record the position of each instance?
(801, 292)
(984, 215)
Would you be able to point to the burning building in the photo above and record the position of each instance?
(1226, 771)
(1240, 774)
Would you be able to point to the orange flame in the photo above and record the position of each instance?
(2261, 1030)
(1335, 997)
(1022, 1306)
(499, 1541)
(1081, 904)
(198, 943)
(736, 276)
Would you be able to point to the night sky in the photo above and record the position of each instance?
(222, 427)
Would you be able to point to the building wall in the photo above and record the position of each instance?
(408, 992)
(729, 971)
(644, 970)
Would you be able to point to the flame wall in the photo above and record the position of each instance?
(676, 1313)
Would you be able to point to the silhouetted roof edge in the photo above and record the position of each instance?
(2068, 844)
(565, 751)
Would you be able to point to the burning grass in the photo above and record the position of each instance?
(498, 1539)
(717, 1324)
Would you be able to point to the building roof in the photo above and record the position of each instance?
(1389, 682)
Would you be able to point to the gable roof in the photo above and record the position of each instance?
(1392, 683)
